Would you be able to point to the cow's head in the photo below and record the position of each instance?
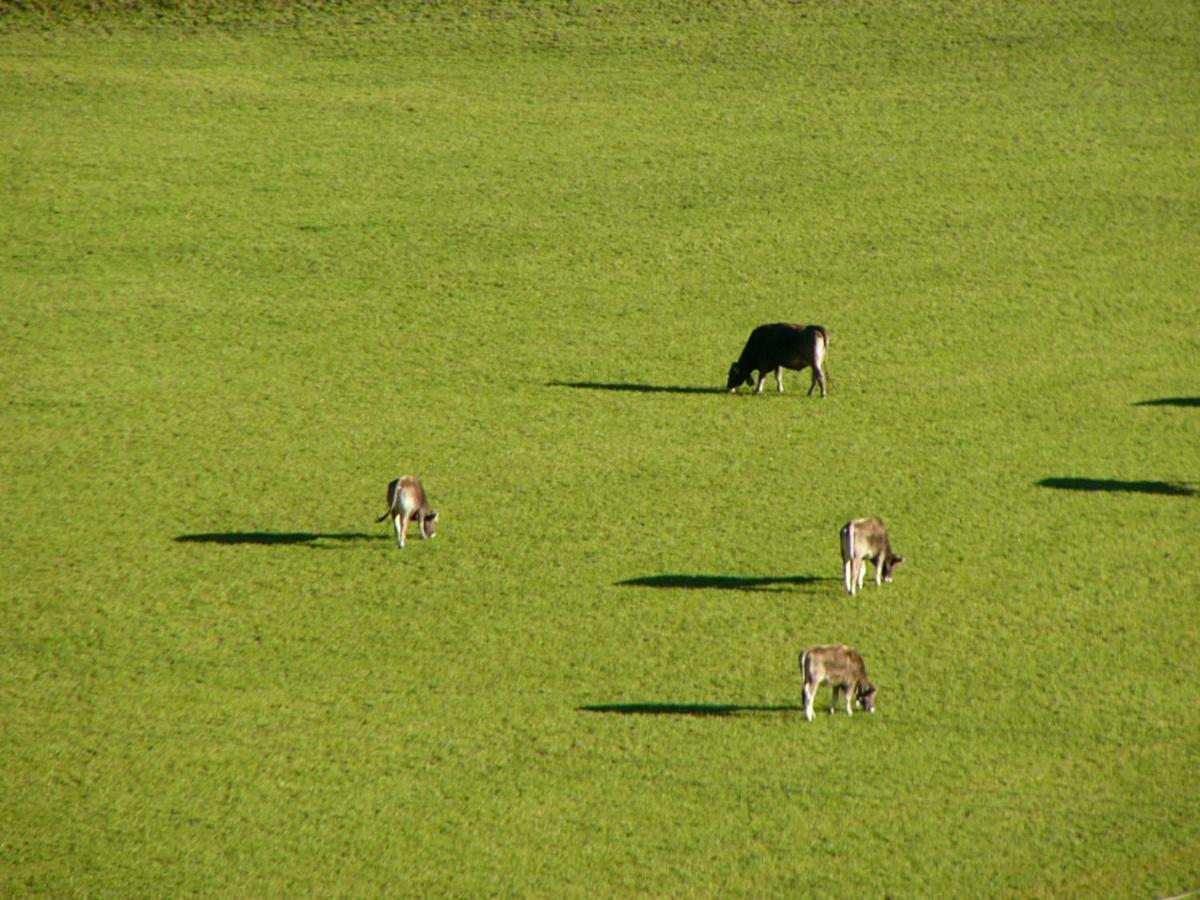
(889, 566)
(866, 697)
(429, 524)
(737, 377)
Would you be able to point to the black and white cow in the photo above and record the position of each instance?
(780, 346)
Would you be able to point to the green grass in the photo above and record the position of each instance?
(256, 261)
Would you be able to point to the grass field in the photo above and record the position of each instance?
(257, 260)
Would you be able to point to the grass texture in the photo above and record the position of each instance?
(258, 259)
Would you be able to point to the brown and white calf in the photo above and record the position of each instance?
(844, 669)
(407, 501)
(862, 540)
(779, 346)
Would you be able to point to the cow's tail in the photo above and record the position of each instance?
(393, 490)
(847, 541)
(804, 664)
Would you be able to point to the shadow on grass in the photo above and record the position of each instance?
(635, 388)
(723, 582)
(687, 709)
(1170, 401)
(274, 538)
(1166, 488)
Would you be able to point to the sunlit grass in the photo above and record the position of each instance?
(257, 262)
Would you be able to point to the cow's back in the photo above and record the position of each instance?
(836, 663)
(871, 534)
(770, 345)
(413, 492)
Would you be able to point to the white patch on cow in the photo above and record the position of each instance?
(847, 536)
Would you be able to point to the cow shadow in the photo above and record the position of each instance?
(1113, 485)
(723, 582)
(1170, 401)
(700, 710)
(635, 388)
(277, 538)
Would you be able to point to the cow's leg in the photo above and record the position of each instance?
(848, 574)
(833, 699)
(400, 521)
(849, 700)
(762, 379)
(862, 570)
(407, 513)
(818, 378)
(779, 378)
(820, 371)
(810, 693)
(879, 570)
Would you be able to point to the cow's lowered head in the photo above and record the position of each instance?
(866, 697)
(429, 520)
(738, 376)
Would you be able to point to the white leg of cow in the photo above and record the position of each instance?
(762, 379)
(817, 379)
(819, 371)
(849, 702)
(862, 571)
(779, 378)
(833, 700)
(848, 575)
(879, 572)
(809, 695)
(400, 522)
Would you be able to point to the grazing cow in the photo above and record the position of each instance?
(406, 501)
(864, 539)
(781, 346)
(844, 669)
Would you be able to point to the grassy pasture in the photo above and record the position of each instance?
(256, 261)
